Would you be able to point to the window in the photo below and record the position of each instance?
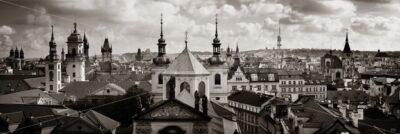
(73, 66)
(59, 66)
(51, 76)
(185, 86)
(234, 87)
(160, 79)
(266, 87)
(51, 87)
(202, 88)
(217, 79)
(238, 78)
(273, 87)
(271, 77)
(290, 82)
(243, 87)
(217, 98)
(73, 74)
(258, 87)
(294, 82)
(254, 77)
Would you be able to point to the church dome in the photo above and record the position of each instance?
(161, 60)
(216, 60)
(75, 36)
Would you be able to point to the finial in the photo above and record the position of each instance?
(75, 26)
(52, 32)
(161, 34)
(186, 38)
(216, 25)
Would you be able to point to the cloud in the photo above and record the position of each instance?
(375, 25)
(39, 18)
(6, 30)
(322, 7)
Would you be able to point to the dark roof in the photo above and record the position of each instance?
(197, 115)
(84, 88)
(248, 97)
(355, 96)
(36, 83)
(25, 97)
(382, 55)
(222, 111)
(12, 117)
(335, 60)
(262, 74)
(34, 110)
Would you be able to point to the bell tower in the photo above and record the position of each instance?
(75, 57)
(53, 67)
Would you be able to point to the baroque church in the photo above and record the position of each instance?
(16, 59)
(209, 78)
(188, 95)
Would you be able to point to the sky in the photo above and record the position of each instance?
(252, 24)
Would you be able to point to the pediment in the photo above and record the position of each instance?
(172, 110)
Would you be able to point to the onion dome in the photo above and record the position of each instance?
(75, 37)
(161, 59)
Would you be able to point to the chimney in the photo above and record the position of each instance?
(204, 105)
(196, 101)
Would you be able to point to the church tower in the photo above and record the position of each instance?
(347, 59)
(106, 51)
(229, 58)
(160, 64)
(86, 48)
(53, 67)
(236, 58)
(218, 71)
(75, 58)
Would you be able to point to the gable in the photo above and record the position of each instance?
(172, 110)
(79, 126)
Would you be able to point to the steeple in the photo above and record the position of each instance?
(216, 42)
(16, 52)
(75, 24)
(161, 42)
(237, 48)
(279, 45)
(12, 53)
(186, 39)
(347, 45)
(52, 33)
(21, 54)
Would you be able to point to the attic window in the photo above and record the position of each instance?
(108, 91)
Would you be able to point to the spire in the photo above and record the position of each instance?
(84, 37)
(347, 45)
(279, 38)
(52, 33)
(161, 22)
(216, 25)
(186, 39)
(75, 24)
(237, 47)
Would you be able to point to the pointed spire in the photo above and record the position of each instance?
(216, 25)
(186, 39)
(347, 45)
(84, 36)
(237, 47)
(52, 33)
(161, 22)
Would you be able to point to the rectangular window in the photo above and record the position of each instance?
(73, 74)
(273, 87)
(258, 87)
(290, 82)
(234, 87)
(254, 77)
(238, 78)
(266, 87)
(243, 87)
(271, 77)
(51, 87)
(51, 66)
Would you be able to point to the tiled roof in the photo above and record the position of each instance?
(186, 64)
(354, 96)
(18, 97)
(36, 83)
(34, 110)
(83, 89)
(248, 97)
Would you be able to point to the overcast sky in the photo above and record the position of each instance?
(133, 24)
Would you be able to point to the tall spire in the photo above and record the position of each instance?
(237, 47)
(347, 45)
(279, 36)
(52, 33)
(216, 25)
(161, 22)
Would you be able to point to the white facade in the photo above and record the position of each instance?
(76, 70)
(219, 90)
(53, 76)
(157, 82)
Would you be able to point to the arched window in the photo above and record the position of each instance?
(202, 88)
(217, 79)
(337, 74)
(51, 75)
(185, 86)
(160, 79)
